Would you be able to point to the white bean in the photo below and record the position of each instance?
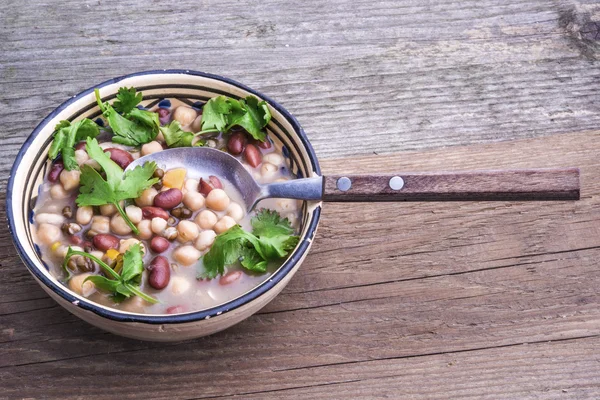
(81, 156)
(236, 212)
(61, 251)
(206, 219)
(273, 158)
(58, 192)
(125, 244)
(49, 218)
(184, 114)
(205, 239)
(268, 171)
(217, 200)
(158, 225)
(70, 179)
(134, 304)
(108, 210)
(119, 226)
(152, 147)
(224, 224)
(84, 215)
(186, 255)
(191, 185)
(284, 205)
(197, 124)
(93, 163)
(77, 285)
(48, 234)
(147, 197)
(187, 231)
(179, 285)
(193, 200)
(145, 228)
(100, 224)
(134, 213)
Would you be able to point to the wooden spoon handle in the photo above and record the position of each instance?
(531, 184)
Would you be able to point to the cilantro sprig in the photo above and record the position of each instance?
(67, 135)
(130, 125)
(96, 191)
(271, 239)
(177, 137)
(123, 285)
(221, 113)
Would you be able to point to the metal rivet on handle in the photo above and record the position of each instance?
(344, 184)
(396, 183)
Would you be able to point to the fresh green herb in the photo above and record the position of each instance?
(95, 191)
(221, 113)
(123, 285)
(177, 137)
(130, 125)
(66, 136)
(271, 238)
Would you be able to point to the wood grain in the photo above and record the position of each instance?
(524, 185)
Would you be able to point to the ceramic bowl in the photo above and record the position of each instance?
(32, 164)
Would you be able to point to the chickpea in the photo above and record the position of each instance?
(191, 185)
(217, 200)
(48, 233)
(125, 244)
(93, 163)
(284, 205)
(119, 226)
(179, 285)
(108, 210)
(49, 218)
(158, 225)
(268, 171)
(197, 124)
(152, 147)
(193, 200)
(100, 224)
(134, 213)
(77, 285)
(184, 114)
(61, 251)
(273, 158)
(57, 192)
(186, 255)
(70, 179)
(135, 154)
(145, 228)
(134, 304)
(81, 156)
(205, 239)
(84, 215)
(187, 231)
(224, 224)
(236, 212)
(147, 197)
(206, 219)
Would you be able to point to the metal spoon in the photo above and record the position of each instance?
(531, 184)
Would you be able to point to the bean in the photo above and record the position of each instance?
(71, 228)
(252, 155)
(179, 285)
(134, 213)
(55, 171)
(84, 215)
(187, 231)
(205, 239)
(168, 199)
(181, 212)
(204, 187)
(152, 147)
(236, 211)
(84, 264)
(164, 115)
(160, 272)
(108, 210)
(105, 241)
(175, 310)
(67, 212)
(58, 192)
(263, 145)
(77, 285)
(224, 224)
(193, 200)
(119, 226)
(158, 225)
(184, 114)
(81, 156)
(217, 200)
(158, 173)
(70, 179)
(186, 255)
(215, 182)
(191, 185)
(75, 240)
(144, 226)
(273, 158)
(126, 244)
(236, 143)
(146, 198)
(100, 224)
(154, 212)
(230, 277)
(80, 145)
(121, 157)
(206, 219)
(49, 218)
(159, 244)
(170, 233)
(197, 124)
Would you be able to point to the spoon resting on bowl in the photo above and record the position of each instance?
(526, 184)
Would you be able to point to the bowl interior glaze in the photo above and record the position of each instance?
(31, 165)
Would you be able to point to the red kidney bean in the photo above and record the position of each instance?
(252, 155)
(230, 277)
(236, 143)
(150, 212)
(105, 241)
(160, 272)
(263, 145)
(175, 310)
(55, 171)
(168, 199)
(75, 239)
(164, 115)
(215, 182)
(204, 187)
(121, 157)
(158, 244)
(80, 146)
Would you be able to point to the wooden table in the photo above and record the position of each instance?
(419, 301)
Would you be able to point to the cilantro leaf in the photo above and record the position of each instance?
(127, 99)
(94, 190)
(214, 113)
(124, 285)
(134, 128)
(177, 137)
(271, 239)
(254, 119)
(66, 136)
